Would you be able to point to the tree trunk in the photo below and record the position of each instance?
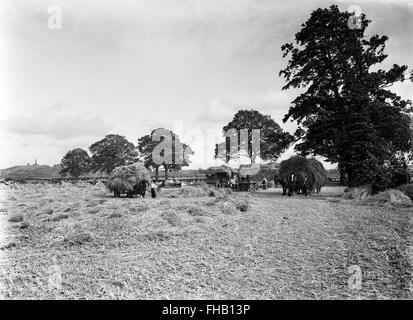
(166, 172)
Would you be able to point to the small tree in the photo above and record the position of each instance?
(75, 163)
(272, 139)
(111, 152)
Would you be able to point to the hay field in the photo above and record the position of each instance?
(78, 242)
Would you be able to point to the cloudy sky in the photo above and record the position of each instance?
(128, 67)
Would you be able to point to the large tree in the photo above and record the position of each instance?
(146, 146)
(347, 113)
(173, 149)
(271, 140)
(112, 151)
(75, 162)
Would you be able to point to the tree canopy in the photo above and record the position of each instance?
(175, 153)
(75, 162)
(271, 140)
(347, 112)
(111, 152)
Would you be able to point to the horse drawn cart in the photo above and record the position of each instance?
(255, 177)
(219, 176)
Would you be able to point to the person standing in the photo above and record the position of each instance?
(153, 190)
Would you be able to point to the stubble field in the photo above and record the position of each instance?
(78, 242)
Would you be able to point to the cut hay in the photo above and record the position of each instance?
(125, 178)
(220, 169)
(24, 225)
(17, 217)
(45, 211)
(357, 193)
(100, 186)
(172, 218)
(193, 192)
(243, 205)
(228, 207)
(115, 215)
(59, 216)
(78, 237)
(389, 197)
(197, 211)
(303, 167)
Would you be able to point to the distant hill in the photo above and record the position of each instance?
(34, 171)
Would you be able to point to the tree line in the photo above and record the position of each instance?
(115, 150)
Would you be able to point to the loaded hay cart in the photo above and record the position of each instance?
(130, 179)
(219, 176)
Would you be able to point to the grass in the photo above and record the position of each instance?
(187, 245)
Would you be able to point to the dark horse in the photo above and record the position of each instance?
(293, 184)
(138, 189)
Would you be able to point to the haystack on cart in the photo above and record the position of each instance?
(219, 176)
(130, 179)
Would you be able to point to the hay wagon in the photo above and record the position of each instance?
(219, 176)
(255, 176)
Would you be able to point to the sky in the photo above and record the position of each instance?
(128, 67)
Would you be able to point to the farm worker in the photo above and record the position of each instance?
(264, 183)
(153, 190)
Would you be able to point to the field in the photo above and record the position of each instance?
(78, 242)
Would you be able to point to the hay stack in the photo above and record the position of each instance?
(124, 178)
(302, 167)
